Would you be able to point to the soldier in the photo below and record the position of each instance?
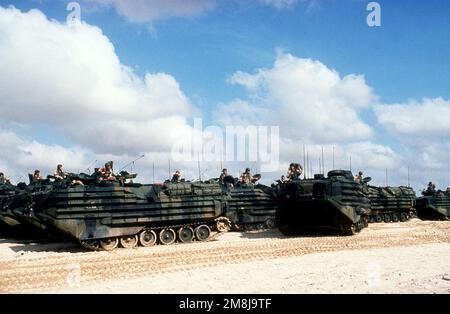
(107, 173)
(294, 171)
(247, 177)
(226, 179)
(176, 177)
(291, 171)
(359, 177)
(4, 179)
(59, 173)
(283, 179)
(37, 175)
(431, 187)
(299, 169)
(223, 175)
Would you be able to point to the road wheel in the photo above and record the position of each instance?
(129, 242)
(109, 244)
(148, 238)
(202, 232)
(378, 218)
(270, 223)
(349, 229)
(395, 217)
(403, 217)
(167, 236)
(186, 234)
(387, 218)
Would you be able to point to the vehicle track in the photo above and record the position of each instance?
(51, 271)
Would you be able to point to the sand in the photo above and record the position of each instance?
(410, 257)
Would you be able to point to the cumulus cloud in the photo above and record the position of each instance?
(313, 105)
(425, 118)
(310, 101)
(316, 106)
(70, 79)
(423, 129)
(240, 112)
(18, 156)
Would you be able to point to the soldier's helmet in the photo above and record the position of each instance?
(247, 169)
(360, 173)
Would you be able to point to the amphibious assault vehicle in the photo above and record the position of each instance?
(390, 204)
(434, 205)
(335, 201)
(104, 214)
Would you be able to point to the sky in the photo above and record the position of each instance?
(132, 76)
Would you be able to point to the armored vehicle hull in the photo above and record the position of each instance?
(106, 215)
(391, 204)
(251, 207)
(335, 201)
(433, 206)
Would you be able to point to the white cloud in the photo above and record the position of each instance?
(70, 79)
(314, 105)
(376, 157)
(423, 129)
(436, 156)
(19, 156)
(429, 117)
(240, 112)
(141, 11)
(310, 101)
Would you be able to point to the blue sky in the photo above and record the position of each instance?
(406, 58)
